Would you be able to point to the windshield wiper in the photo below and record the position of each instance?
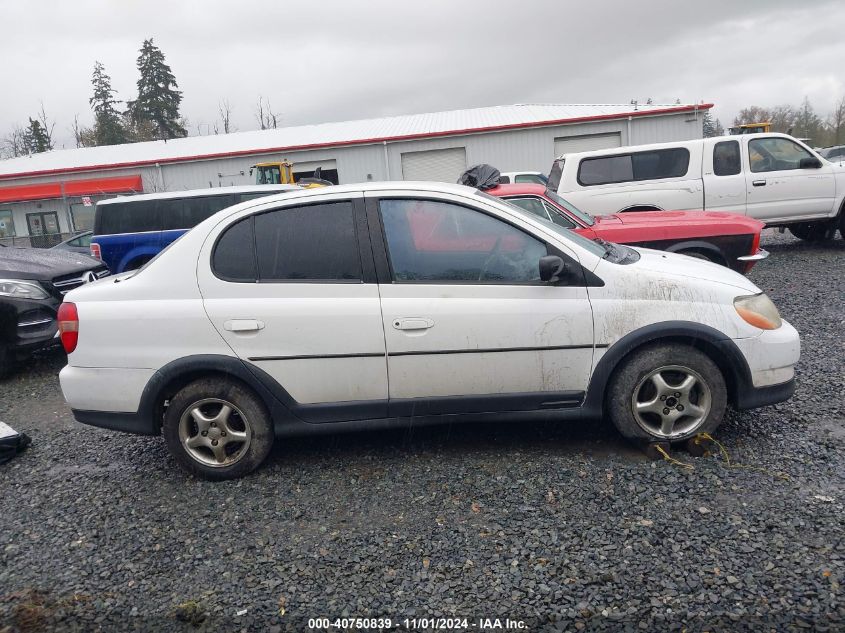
(609, 247)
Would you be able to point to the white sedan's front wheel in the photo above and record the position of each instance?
(667, 392)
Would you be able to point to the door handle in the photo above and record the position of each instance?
(413, 323)
(243, 325)
(759, 183)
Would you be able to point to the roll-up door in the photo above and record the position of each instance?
(443, 165)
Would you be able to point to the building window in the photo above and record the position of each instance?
(83, 217)
(7, 223)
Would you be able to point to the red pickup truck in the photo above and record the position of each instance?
(725, 238)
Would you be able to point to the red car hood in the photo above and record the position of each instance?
(636, 226)
(633, 218)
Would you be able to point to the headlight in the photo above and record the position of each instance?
(759, 311)
(17, 289)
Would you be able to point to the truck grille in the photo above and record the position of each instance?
(66, 283)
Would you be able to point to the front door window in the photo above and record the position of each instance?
(434, 241)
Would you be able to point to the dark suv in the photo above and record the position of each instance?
(32, 284)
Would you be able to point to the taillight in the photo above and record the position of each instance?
(95, 250)
(68, 319)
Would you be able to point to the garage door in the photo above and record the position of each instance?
(586, 143)
(443, 165)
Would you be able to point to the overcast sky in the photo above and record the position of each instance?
(350, 59)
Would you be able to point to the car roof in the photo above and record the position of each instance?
(628, 149)
(194, 193)
(520, 188)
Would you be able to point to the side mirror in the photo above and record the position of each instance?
(553, 268)
(811, 162)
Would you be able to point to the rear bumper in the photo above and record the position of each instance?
(117, 421)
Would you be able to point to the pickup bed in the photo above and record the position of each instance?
(770, 177)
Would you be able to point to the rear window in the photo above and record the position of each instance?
(650, 165)
(234, 255)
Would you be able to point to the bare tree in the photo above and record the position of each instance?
(46, 124)
(83, 135)
(14, 143)
(267, 119)
(836, 121)
(225, 110)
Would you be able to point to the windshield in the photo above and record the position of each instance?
(589, 245)
(586, 218)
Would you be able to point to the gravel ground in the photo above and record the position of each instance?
(561, 528)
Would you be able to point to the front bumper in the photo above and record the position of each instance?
(27, 325)
(771, 358)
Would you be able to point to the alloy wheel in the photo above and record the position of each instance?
(214, 432)
(671, 402)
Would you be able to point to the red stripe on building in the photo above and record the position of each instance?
(73, 188)
(363, 141)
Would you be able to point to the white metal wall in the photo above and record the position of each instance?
(509, 150)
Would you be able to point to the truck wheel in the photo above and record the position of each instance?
(217, 429)
(667, 392)
(809, 231)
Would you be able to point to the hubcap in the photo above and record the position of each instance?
(214, 432)
(671, 402)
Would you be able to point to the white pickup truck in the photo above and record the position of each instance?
(771, 177)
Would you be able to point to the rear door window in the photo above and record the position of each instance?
(726, 158)
(315, 242)
(234, 253)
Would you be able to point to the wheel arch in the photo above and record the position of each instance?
(718, 347)
(172, 377)
(700, 246)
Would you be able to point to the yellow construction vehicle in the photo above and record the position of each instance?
(281, 173)
(751, 128)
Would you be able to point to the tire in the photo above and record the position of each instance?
(634, 382)
(217, 429)
(809, 231)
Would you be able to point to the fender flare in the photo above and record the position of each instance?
(716, 344)
(184, 370)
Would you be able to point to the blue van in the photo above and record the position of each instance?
(130, 230)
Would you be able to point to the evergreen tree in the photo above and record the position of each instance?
(108, 125)
(156, 110)
(712, 127)
(36, 138)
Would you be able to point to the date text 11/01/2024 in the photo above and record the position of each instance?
(413, 624)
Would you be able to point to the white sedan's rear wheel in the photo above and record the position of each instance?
(218, 429)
